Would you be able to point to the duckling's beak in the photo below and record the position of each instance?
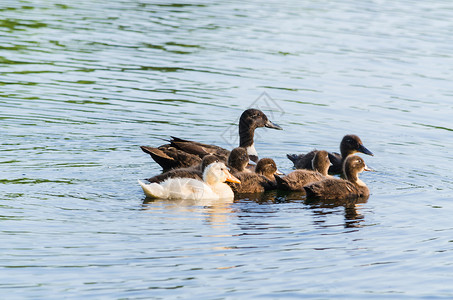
(365, 150)
(278, 172)
(369, 169)
(231, 178)
(269, 124)
(251, 163)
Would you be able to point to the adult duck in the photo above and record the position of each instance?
(296, 180)
(349, 145)
(341, 189)
(263, 179)
(212, 187)
(184, 153)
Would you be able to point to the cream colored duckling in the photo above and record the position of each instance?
(212, 187)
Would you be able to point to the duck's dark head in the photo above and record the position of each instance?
(207, 160)
(250, 120)
(266, 167)
(321, 162)
(352, 144)
(254, 118)
(353, 165)
(238, 159)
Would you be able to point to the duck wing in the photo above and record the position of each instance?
(296, 180)
(333, 189)
(191, 172)
(251, 183)
(199, 149)
(171, 158)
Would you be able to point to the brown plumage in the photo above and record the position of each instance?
(238, 160)
(349, 145)
(336, 188)
(296, 180)
(171, 158)
(195, 172)
(180, 153)
(261, 180)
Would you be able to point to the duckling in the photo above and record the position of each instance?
(211, 188)
(261, 180)
(296, 180)
(341, 189)
(195, 172)
(350, 144)
(238, 160)
(184, 153)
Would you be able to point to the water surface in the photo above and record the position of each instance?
(84, 84)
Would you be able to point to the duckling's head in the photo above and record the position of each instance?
(238, 159)
(266, 167)
(254, 118)
(207, 160)
(353, 165)
(217, 172)
(352, 144)
(321, 162)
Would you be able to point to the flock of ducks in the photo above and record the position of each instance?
(197, 171)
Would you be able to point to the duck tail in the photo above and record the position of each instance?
(160, 157)
(281, 183)
(152, 190)
(292, 157)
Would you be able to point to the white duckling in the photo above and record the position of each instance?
(212, 187)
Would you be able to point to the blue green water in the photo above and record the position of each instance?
(84, 83)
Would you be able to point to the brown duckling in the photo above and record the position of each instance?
(340, 189)
(296, 180)
(184, 153)
(238, 160)
(261, 180)
(349, 145)
(195, 172)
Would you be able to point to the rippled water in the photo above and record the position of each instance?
(84, 83)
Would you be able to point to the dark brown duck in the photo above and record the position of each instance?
(181, 153)
(296, 180)
(261, 180)
(341, 189)
(349, 145)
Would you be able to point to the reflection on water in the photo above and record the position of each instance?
(352, 210)
(216, 213)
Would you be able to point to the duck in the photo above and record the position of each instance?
(239, 161)
(212, 187)
(263, 179)
(180, 153)
(349, 145)
(296, 180)
(341, 189)
(195, 172)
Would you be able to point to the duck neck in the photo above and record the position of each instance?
(246, 135)
(354, 178)
(345, 152)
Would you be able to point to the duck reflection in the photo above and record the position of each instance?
(352, 210)
(216, 213)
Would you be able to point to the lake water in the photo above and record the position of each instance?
(84, 83)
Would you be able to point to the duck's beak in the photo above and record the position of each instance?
(269, 124)
(365, 150)
(231, 178)
(369, 169)
(278, 172)
(251, 163)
